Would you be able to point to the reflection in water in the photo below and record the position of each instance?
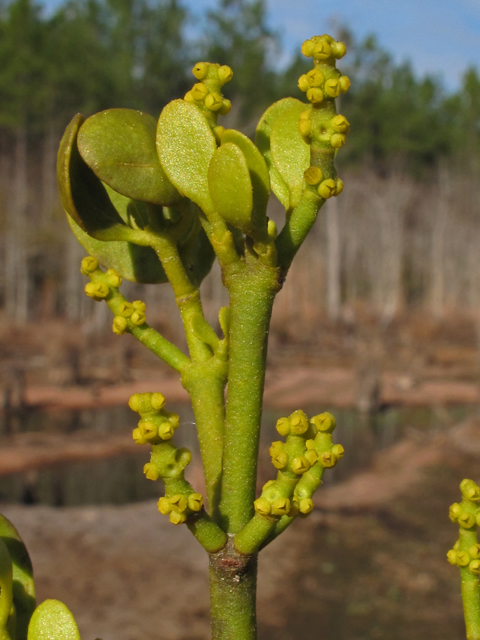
(119, 480)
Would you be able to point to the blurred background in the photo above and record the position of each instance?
(378, 321)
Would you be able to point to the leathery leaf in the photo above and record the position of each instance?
(231, 187)
(262, 140)
(52, 620)
(23, 587)
(119, 146)
(258, 174)
(290, 153)
(82, 194)
(6, 595)
(185, 146)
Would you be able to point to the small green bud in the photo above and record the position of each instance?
(303, 83)
(324, 422)
(177, 518)
(226, 107)
(113, 278)
(138, 318)
(283, 427)
(88, 265)
(298, 422)
(199, 91)
(178, 503)
(200, 70)
(214, 101)
(166, 431)
(315, 95)
(337, 140)
(120, 325)
(313, 175)
(452, 557)
(315, 78)
(345, 83)
(195, 502)
(151, 472)
(272, 230)
(327, 188)
(474, 567)
(454, 511)
(338, 451)
(174, 419)
(466, 520)
(470, 490)
(311, 456)
(225, 74)
(157, 401)
(125, 309)
(462, 558)
(281, 506)
(300, 465)
(331, 88)
(305, 506)
(164, 506)
(138, 437)
(262, 506)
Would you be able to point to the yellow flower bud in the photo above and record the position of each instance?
(148, 429)
(454, 511)
(340, 124)
(332, 88)
(272, 230)
(337, 140)
(466, 520)
(324, 422)
(151, 472)
(315, 95)
(218, 133)
(188, 97)
(310, 444)
(113, 278)
(477, 520)
(315, 78)
(214, 101)
(120, 325)
(268, 484)
(138, 318)
(313, 175)
(327, 188)
(262, 506)
(177, 518)
(462, 559)
(138, 437)
(338, 451)
(138, 305)
(199, 91)
(174, 419)
(166, 431)
(200, 70)
(225, 108)
(474, 567)
(276, 447)
(303, 83)
(474, 551)
(452, 557)
(283, 426)
(125, 309)
(97, 291)
(305, 128)
(225, 74)
(300, 465)
(344, 83)
(298, 422)
(137, 402)
(322, 50)
(311, 456)
(195, 502)
(88, 265)
(339, 188)
(281, 506)
(338, 49)
(178, 503)
(164, 506)
(158, 401)
(470, 490)
(305, 506)
(328, 459)
(280, 460)
(307, 48)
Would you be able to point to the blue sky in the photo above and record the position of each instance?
(439, 36)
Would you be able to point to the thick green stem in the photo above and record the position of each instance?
(252, 288)
(233, 581)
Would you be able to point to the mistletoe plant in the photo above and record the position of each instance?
(158, 201)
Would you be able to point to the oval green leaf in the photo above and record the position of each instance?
(262, 140)
(52, 620)
(6, 594)
(259, 175)
(290, 153)
(119, 146)
(185, 146)
(23, 586)
(231, 187)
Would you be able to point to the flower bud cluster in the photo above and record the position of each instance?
(179, 506)
(133, 313)
(467, 515)
(156, 424)
(206, 93)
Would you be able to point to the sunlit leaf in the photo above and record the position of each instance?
(52, 620)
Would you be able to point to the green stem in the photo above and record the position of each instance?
(233, 580)
(252, 289)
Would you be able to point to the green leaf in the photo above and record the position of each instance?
(231, 187)
(119, 146)
(262, 140)
(290, 153)
(23, 586)
(258, 174)
(134, 263)
(6, 595)
(82, 194)
(185, 146)
(52, 620)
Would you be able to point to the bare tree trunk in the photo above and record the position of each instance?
(438, 244)
(49, 183)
